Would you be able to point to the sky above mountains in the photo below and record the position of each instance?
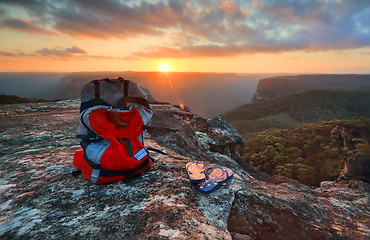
(301, 36)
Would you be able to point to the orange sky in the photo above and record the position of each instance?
(325, 36)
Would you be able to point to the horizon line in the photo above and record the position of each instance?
(171, 72)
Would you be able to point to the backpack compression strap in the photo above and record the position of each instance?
(126, 99)
(96, 101)
(110, 173)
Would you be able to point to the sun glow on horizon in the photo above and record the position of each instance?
(164, 67)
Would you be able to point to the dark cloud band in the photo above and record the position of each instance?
(208, 28)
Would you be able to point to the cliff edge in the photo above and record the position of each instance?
(40, 199)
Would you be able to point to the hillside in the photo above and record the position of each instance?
(274, 87)
(310, 153)
(12, 99)
(303, 107)
(30, 84)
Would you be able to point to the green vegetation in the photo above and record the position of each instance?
(288, 132)
(308, 106)
(12, 99)
(306, 153)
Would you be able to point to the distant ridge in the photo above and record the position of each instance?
(39, 85)
(308, 106)
(207, 94)
(13, 99)
(269, 88)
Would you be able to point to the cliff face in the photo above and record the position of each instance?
(269, 88)
(40, 199)
(309, 106)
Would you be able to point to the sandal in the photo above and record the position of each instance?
(197, 171)
(217, 176)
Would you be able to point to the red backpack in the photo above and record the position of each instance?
(114, 115)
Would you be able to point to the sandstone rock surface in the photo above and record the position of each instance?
(40, 199)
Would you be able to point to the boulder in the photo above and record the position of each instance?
(293, 211)
(191, 135)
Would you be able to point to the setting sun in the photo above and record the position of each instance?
(164, 67)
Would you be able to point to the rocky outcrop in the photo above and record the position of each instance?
(357, 162)
(294, 211)
(191, 135)
(40, 199)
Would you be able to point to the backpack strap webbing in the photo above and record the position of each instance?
(138, 100)
(120, 79)
(97, 91)
(128, 144)
(127, 99)
(111, 173)
(125, 93)
(96, 101)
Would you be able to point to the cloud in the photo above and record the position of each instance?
(207, 51)
(58, 52)
(37, 8)
(112, 19)
(117, 19)
(64, 52)
(207, 28)
(25, 25)
(23, 3)
(8, 54)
